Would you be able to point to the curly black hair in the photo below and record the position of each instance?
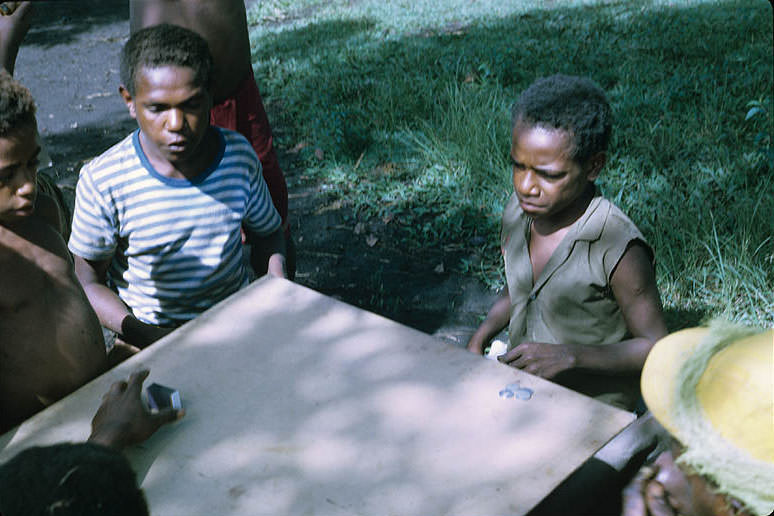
(17, 106)
(68, 480)
(574, 104)
(165, 45)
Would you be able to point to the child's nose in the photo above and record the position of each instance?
(175, 120)
(525, 182)
(28, 182)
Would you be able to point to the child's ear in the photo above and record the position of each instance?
(128, 100)
(594, 165)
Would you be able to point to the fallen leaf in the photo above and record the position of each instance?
(388, 218)
(371, 240)
(469, 78)
(359, 228)
(298, 147)
(335, 205)
(318, 153)
(439, 269)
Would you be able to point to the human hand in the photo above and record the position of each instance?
(633, 495)
(151, 333)
(122, 419)
(662, 489)
(657, 501)
(140, 334)
(541, 359)
(477, 343)
(276, 266)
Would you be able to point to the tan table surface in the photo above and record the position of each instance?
(298, 404)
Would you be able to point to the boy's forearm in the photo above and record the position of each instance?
(114, 315)
(110, 310)
(499, 315)
(496, 320)
(627, 356)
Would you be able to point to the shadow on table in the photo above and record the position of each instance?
(353, 403)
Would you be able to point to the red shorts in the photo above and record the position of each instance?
(243, 112)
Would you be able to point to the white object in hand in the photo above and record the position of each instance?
(497, 348)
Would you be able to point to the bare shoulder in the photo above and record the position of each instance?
(634, 270)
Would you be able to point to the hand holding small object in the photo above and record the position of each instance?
(123, 419)
(541, 359)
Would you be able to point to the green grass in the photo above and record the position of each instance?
(409, 102)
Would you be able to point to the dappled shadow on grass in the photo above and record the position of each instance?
(678, 78)
(679, 318)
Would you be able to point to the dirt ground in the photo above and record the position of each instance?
(69, 60)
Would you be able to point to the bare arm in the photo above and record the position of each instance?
(268, 253)
(13, 28)
(634, 287)
(112, 312)
(496, 320)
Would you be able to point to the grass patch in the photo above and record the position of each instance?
(409, 104)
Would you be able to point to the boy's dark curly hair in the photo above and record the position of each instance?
(165, 45)
(70, 480)
(574, 104)
(16, 104)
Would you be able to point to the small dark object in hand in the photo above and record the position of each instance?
(161, 397)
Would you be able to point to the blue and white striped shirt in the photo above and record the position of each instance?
(174, 244)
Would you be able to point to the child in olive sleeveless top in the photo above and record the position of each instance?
(581, 302)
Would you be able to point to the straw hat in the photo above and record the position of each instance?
(713, 389)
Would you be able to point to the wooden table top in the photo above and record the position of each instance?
(300, 404)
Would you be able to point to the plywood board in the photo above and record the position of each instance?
(300, 404)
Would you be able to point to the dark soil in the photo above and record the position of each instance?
(69, 60)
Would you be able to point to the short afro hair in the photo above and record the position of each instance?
(70, 480)
(573, 104)
(17, 107)
(165, 45)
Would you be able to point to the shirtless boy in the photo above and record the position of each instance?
(50, 339)
(581, 301)
(237, 103)
(156, 226)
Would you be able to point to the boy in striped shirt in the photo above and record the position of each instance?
(156, 227)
